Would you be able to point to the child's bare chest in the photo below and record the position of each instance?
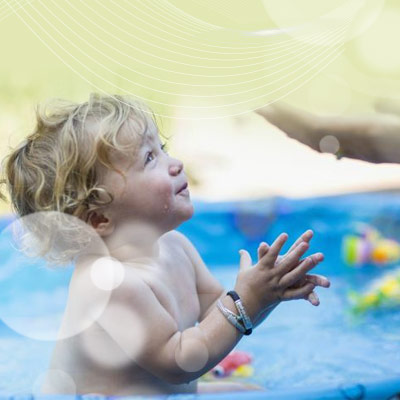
(175, 288)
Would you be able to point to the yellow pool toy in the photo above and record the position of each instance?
(382, 293)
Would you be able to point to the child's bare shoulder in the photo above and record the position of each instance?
(175, 238)
(178, 240)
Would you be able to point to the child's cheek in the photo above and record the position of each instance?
(165, 195)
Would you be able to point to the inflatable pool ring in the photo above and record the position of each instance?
(235, 364)
(382, 293)
(370, 247)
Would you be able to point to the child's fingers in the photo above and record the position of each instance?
(297, 273)
(313, 298)
(292, 259)
(273, 252)
(245, 260)
(305, 237)
(262, 250)
(298, 293)
(318, 280)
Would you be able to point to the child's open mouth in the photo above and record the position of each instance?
(183, 189)
(184, 192)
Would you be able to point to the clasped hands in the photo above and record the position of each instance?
(284, 277)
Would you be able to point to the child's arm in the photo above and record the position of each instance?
(209, 290)
(142, 327)
(370, 138)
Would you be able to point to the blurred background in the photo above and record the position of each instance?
(204, 66)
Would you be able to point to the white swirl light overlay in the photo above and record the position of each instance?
(184, 66)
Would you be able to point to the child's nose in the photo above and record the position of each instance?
(175, 167)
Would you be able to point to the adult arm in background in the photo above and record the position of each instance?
(373, 138)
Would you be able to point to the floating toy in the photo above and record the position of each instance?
(370, 247)
(382, 293)
(235, 364)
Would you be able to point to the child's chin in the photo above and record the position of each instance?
(186, 215)
(190, 212)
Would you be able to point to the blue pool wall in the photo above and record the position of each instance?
(220, 230)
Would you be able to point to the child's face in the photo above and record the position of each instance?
(155, 188)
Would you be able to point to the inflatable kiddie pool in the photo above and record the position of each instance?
(299, 352)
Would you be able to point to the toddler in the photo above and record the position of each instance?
(165, 320)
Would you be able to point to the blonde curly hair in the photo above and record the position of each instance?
(56, 168)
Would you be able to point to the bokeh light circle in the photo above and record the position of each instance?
(329, 144)
(37, 282)
(107, 273)
(191, 355)
(376, 47)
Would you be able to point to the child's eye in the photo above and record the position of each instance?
(149, 157)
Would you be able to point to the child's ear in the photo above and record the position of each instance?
(101, 223)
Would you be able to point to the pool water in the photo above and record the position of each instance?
(297, 347)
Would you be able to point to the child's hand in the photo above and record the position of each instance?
(268, 283)
(318, 280)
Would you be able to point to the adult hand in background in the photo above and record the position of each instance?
(373, 138)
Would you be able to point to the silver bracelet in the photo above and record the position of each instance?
(239, 306)
(234, 319)
(246, 320)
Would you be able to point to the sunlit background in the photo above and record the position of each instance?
(203, 66)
